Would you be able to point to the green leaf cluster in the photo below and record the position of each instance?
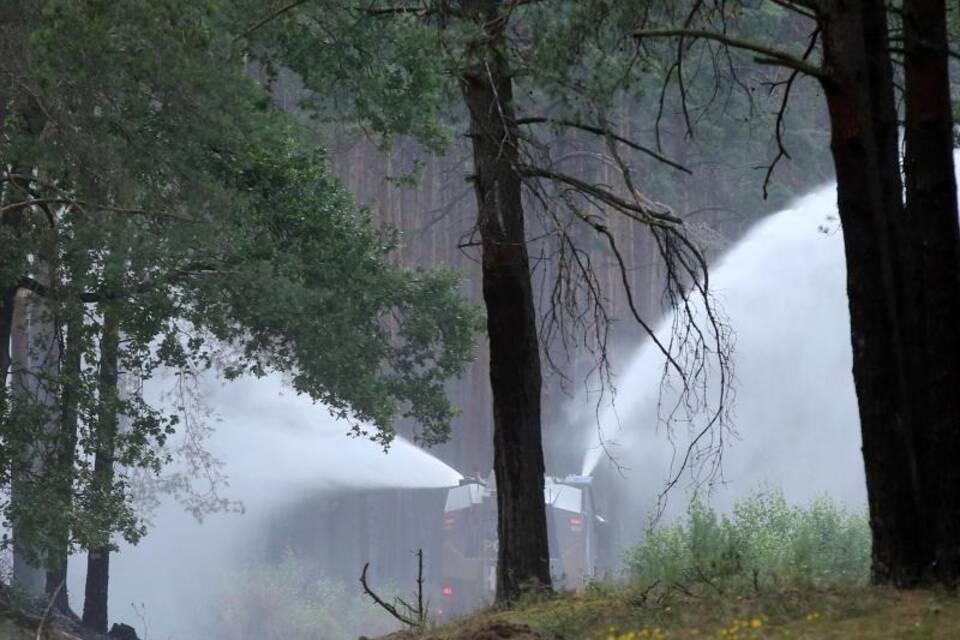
(154, 182)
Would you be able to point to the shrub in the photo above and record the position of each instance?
(763, 542)
(287, 600)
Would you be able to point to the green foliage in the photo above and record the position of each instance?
(388, 75)
(156, 183)
(398, 74)
(288, 600)
(763, 543)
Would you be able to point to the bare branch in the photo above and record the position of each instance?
(272, 16)
(781, 114)
(600, 131)
(106, 295)
(644, 214)
(419, 611)
(40, 202)
(421, 11)
(805, 9)
(46, 611)
(766, 53)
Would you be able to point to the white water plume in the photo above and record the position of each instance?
(782, 288)
(284, 441)
(278, 447)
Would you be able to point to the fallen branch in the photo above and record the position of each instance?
(416, 616)
(46, 612)
(641, 600)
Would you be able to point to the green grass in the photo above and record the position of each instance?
(765, 570)
(665, 613)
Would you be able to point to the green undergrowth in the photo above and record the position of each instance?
(766, 569)
(763, 543)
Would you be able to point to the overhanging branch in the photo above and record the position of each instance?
(272, 16)
(105, 295)
(766, 54)
(600, 131)
(645, 215)
(73, 202)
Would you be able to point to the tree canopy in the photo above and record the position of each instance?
(147, 177)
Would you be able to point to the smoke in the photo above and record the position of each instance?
(278, 448)
(782, 288)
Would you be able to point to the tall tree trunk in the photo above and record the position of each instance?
(931, 192)
(28, 574)
(11, 221)
(8, 298)
(34, 338)
(98, 557)
(61, 471)
(873, 276)
(889, 278)
(515, 376)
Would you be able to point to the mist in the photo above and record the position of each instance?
(794, 416)
(279, 449)
(794, 421)
(794, 428)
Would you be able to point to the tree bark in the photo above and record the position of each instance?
(98, 557)
(28, 574)
(515, 374)
(896, 268)
(8, 297)
(12, 220)
(61, 467)
(934, 234)
(873, 272)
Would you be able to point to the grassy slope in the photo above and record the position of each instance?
(855, 612)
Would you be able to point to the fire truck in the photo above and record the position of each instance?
(468, 560)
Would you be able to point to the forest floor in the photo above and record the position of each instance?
(618, 614)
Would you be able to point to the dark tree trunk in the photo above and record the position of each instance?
(12, 220)
(98, 557)
(886, 289)
(515, 377)
(96, 589)
(873, 263)
(61, 467)
(28, 574)
(931, 192)
(8, 295)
